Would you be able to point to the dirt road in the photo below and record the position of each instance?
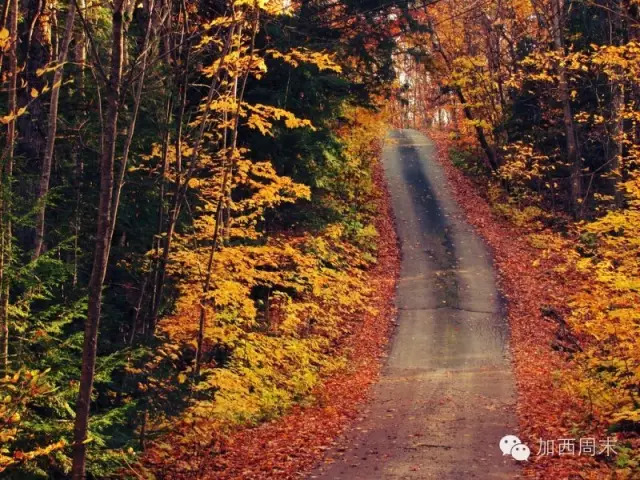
(446, 395)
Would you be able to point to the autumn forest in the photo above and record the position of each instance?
(205, 247)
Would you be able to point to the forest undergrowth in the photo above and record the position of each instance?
(301, 369)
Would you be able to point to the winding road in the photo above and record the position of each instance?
(446, 395)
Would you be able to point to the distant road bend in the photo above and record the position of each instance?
(446, 395)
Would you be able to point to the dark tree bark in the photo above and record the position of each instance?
(36, 49)
(490, 153)
(573, 153)
(6, 174)
(45, 173)
(618, 90)
(101, 248)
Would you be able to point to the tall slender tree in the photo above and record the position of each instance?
(102, 239)
(6, 178)
(45, 173)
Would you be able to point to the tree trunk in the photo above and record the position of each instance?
(101, 249)
(617, 134)
(45, 174)
(491, 157)
(6, 174)
(35, 47)
(617, 23)
(119, 183)
(80, 59)
(207, 287)
(573, 154)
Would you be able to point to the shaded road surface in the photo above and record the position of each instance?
(446, 395)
